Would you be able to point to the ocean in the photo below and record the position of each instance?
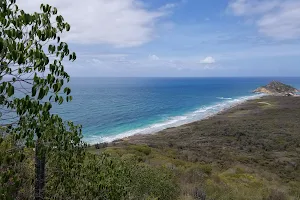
(113, 108)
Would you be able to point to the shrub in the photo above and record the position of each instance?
(108, 177)
(207, 169)
(141, 148)
(150, 182)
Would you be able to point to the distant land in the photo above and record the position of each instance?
(277, 88)
(250, 151)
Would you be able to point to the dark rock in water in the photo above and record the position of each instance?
(276, 87)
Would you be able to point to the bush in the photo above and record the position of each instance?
(207, 169)
(151, 182)
(16, 170)
(108, 177)
(141, 148)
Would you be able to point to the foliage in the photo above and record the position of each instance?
(106, 177)
(32, 77)
(29, 79)
(15, 170)
(151, 182)
(141, 148)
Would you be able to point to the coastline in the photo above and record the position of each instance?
(252, 148)
(200, 114)
(242, 111)
(261, 100)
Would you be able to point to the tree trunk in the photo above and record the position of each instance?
(40, 161)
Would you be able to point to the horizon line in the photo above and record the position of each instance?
(184, 76)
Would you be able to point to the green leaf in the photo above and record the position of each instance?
(10, 90)
(68, 27)
(67, 90)
(48, 106)
(74, 56)
(33, 91)
(54, 11)
(41, 94)
(21, 59)
(61, 100)
(1, 45)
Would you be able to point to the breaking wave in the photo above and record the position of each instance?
(201, 113)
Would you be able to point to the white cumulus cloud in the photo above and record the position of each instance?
(278, 19)
(116, 22)
(208, 60)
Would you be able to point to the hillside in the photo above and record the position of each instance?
(276, 87)
(251, 151)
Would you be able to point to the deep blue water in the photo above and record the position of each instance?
(110, 108)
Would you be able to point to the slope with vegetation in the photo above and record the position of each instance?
(251, 151)
(41, 155)
(276, 87)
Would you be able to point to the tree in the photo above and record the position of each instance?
(32, 77)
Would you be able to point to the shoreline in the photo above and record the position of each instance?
(221, 113)
(250, 146)
(241, 110)
(201, 114)
(128, 138)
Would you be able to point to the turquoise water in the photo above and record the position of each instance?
(111, 108)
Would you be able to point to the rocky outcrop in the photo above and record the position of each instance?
(276, 88)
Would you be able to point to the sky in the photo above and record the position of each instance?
(180, 38)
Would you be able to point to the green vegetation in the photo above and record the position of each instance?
(31, 79)
(89, 177)
(276, 87)
(248, 152)
(42, 156)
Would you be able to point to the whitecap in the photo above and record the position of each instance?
(224, 98)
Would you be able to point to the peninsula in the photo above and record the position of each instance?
(277, 88)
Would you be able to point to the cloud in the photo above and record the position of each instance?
(122, 23)
(278, 19)
(252, 7)
(168, 6)
(153, 57)
(208, 60)
(96, 61)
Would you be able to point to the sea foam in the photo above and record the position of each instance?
(199, 114)
(224, 98)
